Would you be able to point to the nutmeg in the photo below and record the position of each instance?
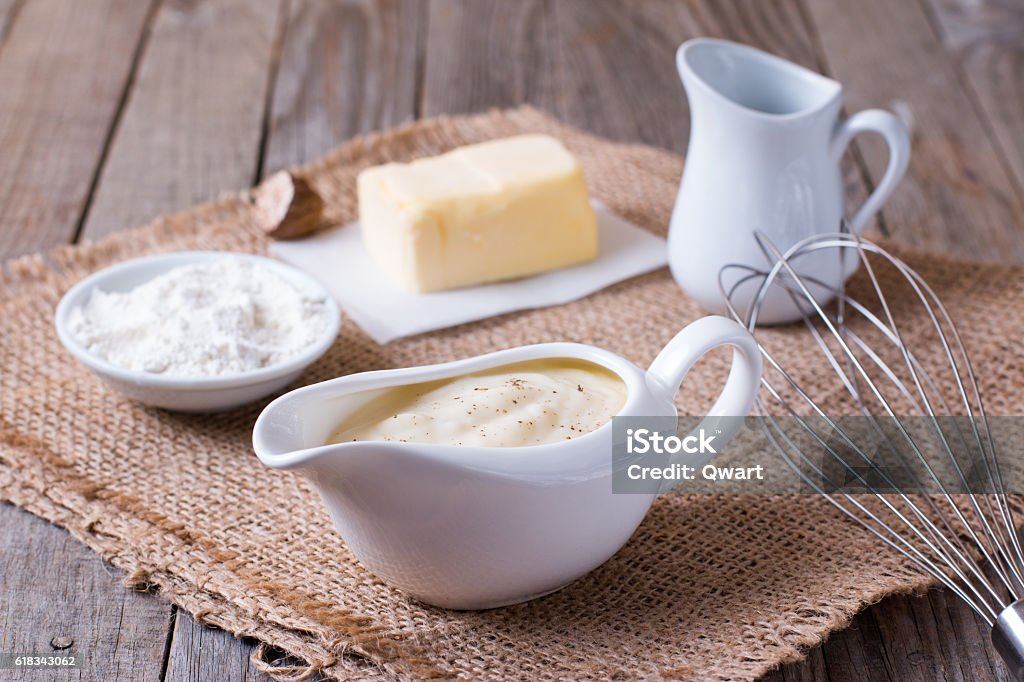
(287, 206)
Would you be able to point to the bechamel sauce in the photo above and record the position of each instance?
(525, 403)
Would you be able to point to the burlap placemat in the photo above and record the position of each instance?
(708, 588)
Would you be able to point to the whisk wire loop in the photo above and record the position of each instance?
(923, 474)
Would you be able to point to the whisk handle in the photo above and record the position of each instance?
(1008, 638)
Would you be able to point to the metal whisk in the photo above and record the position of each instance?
(887, 421)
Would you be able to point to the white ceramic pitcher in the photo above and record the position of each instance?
(765, 144)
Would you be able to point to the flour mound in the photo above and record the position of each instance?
(224, 316)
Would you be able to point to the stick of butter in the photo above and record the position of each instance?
(482, 213)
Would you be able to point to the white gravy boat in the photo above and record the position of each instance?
(475, 527)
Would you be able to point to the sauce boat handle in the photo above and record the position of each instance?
(680, 354)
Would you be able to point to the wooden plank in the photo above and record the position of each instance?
(931, 637)
(913, 648)
(347, 67)
(53, 586)
(965, 640)
(64, 67)
(810, 669)
(707, 16)
(857, 652)
(199, 653)
(330, 52)
(606, 66)
(8, 11)
(192, 128)
(957, 196)
(986, 40)
(194, 122)
(912, 638)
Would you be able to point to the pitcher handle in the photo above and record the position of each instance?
(896, 136)
(737, 397)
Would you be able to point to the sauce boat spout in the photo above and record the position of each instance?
(291, 432)
(305, 458)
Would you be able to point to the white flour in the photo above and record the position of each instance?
(221, 317)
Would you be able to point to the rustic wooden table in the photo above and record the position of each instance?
(113, 111)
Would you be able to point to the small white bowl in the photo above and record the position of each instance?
(187, 394)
